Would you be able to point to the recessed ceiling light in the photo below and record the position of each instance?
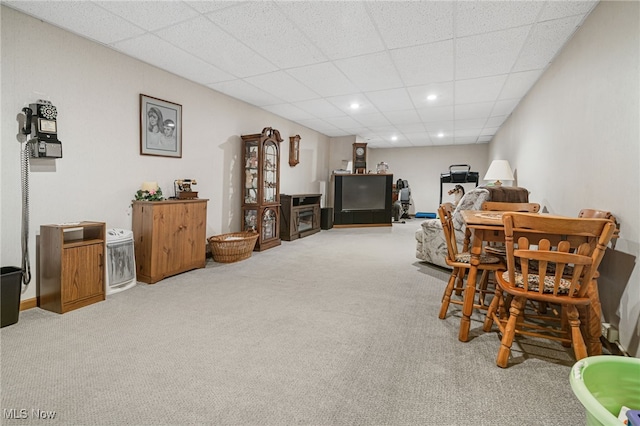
(432, 97)
(440, 135)
(355, 105)
(394, 138)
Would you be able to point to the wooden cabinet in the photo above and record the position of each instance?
(261, 186)
(169, 237)
(72, 266)
(300, 215)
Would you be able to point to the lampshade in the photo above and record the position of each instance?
(499, 170)
(149, 186)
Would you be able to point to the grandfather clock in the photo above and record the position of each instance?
(360, 158)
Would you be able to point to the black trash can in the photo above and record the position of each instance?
(10, 286)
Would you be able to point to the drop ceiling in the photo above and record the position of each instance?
(309, 61)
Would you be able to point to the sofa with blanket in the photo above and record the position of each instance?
(430, 244)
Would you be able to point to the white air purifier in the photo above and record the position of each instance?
(121, 261)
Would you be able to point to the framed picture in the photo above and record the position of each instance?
(160, 127)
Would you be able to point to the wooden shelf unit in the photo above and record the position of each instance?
(72, 265)
(169, 237)
(299, 215)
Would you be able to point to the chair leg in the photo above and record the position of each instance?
(493, 310)
(517, 305)
(460, 284)
(484, 284)
(446, 297)
(579, 348)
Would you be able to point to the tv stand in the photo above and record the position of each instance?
(299, 215)
(362, 200)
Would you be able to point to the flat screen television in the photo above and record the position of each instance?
(362, 199)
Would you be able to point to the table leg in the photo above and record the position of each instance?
(470, 288)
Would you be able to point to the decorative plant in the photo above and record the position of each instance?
(149, 195)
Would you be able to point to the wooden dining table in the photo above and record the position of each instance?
(486, 226)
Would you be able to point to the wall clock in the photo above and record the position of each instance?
(294, 150)
(360, 157)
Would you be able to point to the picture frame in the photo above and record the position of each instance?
(160, 127)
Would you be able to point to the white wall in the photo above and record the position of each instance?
(422, 167)
(96, 91)
(574, 142)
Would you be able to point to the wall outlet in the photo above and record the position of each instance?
(609, 332)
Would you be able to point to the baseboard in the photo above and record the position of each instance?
(28, 304)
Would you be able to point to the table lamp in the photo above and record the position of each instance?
(499, 169)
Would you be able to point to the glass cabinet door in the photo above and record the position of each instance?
(269, 224)
(251, 173)
(270, 190)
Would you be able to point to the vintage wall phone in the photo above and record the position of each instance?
(45, 144)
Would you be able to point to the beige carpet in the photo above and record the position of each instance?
(339, 328)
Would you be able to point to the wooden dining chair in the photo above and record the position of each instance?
(510, 207)
(594, 213)
(460, 261)
(550, 259)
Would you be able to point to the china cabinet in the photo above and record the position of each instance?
(261, 187)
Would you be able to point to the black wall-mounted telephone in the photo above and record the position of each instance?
(45, 144)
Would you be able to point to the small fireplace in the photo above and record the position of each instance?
(300, 215)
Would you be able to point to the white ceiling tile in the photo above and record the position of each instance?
(495, 121)
(489, 54)
(465, 140)
(235, 58)
(519, 83)
(504, 107)
(402, 24)
(479, 89)
(546, 39)
(470, 133)
(486, 16)
(321, 126)
(473, 111)
(339, 29)
(344, 103)
(80, 17)
(433, 114)
(428, 63)
(150, 15)
(283, 86)
(485, 139)
(246, 92)
(409, 127)
(319, 108)
(371, 72)
(489, 131)
(561, 9)
(404, 117)
(419, 139)
(205, 6)
(437, 127)
(158, 52)
(391, 100)
(443, 91)
(289, 111)
(286, 46)
(370, 120)
(324, 79)
(344, 122)
(441, 140)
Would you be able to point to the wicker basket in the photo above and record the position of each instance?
(232, 247)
